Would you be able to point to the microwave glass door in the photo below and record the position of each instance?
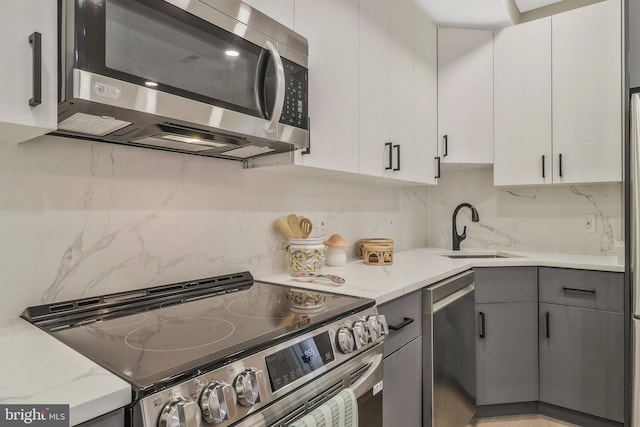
(166, 48)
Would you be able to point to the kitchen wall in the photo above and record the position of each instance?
(544, 218)
(80, 218)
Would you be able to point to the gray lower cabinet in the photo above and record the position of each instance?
(402, 366)
(581, 327)
(402, 399)
(506, 335)
(507, 353)
(582, 360)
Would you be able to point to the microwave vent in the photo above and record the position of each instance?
(248, 151)
(89, 124)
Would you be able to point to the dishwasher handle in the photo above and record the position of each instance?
(451, 298)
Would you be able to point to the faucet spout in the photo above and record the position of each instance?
(457, 238)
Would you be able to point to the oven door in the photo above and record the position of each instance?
(151, 47)
(362, 374)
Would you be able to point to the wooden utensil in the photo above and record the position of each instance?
(294, 225)
(282, 226)
(305, 227)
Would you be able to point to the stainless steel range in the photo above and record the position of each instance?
(227, 350)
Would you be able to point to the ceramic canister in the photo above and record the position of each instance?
(306, 255)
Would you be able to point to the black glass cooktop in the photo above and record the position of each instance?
(151, 339)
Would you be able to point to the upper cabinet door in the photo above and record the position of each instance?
(465, 95)
(376, 151)
(587, 94)
(29, 73)
(425, 99)
(522, 101)
(333, 83)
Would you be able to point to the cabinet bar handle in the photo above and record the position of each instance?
(397, 148)
(35, 39)
(406, 322)
(560, 165)
(446, 146)
(546, 324)
(482, 325)
(579, 291)
(437, 167)
(390, 164)
(543, 174)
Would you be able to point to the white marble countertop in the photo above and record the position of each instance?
(35, 368)
(417, 268)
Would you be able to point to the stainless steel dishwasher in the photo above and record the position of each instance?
(449, 365)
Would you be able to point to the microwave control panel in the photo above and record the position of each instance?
(296, 104)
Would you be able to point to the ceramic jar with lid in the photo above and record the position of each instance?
(336, 250)
(306, 255)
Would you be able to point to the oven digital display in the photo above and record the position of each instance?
(298, 360)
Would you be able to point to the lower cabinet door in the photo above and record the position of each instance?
(402, 398)
(582, 360)
(506, 353)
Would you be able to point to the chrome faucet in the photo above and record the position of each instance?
(459, 238)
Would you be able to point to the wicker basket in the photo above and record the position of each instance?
(376, 241)
(374, 254)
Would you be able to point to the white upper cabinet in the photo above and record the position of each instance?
(28, 105)
(333, 83)
(376, 151)
(558, 94)
(522, 100)
(398, 95)
(465, 95)
(372, 88)
(280, 10)
(425, 95)
(587, 94)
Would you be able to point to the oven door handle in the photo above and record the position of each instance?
(368, 379)
(273, 116)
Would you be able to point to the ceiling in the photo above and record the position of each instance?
(484, 14)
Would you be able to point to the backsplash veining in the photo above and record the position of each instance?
(543, 218)
(82, 218)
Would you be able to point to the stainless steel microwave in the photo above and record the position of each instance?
(208, 77)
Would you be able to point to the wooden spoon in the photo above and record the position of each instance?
(282, 226)
(305, 227)
(294, 225)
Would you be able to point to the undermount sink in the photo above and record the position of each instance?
(481, 256)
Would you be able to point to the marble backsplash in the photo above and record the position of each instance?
(80, 218)
(543, 218)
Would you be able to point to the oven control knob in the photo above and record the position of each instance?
(180, 413)
(361, 333)
(383, 324)
(375, 329)
(247, 386)
(346, 342)
(217, 403)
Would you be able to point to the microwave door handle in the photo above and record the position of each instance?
(272, 125)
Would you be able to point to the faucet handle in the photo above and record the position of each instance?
(464, 233)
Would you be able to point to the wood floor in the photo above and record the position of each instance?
(519, 421)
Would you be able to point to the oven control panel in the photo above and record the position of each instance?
(225, 395)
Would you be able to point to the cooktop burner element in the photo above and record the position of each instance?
(179, 334)
(228, 332)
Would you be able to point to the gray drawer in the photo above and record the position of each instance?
(396, 311)
(506, 284)
(599, 290)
